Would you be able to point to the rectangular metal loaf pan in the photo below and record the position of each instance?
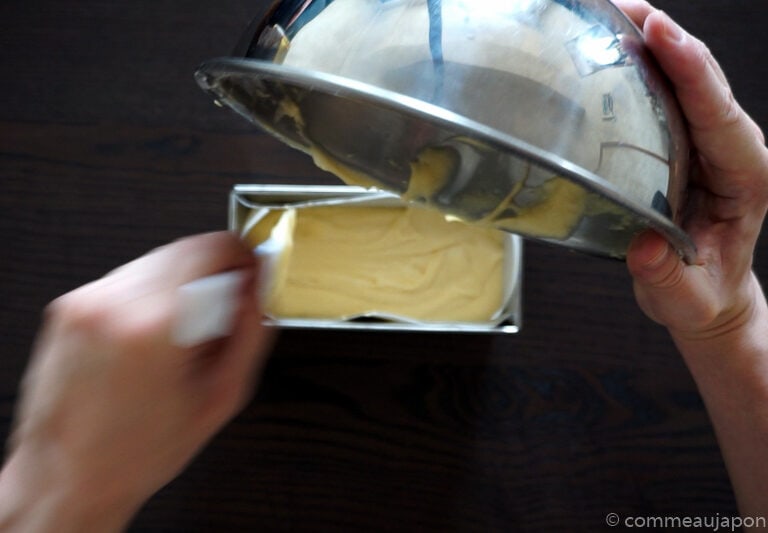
(245, 198)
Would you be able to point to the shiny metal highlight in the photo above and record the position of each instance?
(521, 93)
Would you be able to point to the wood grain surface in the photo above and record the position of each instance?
(108, 148)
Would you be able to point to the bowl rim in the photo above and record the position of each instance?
(210, 72)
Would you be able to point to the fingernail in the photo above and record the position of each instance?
(672, 31)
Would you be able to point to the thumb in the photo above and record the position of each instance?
(659, 274)
(653, 263)
(674, 294)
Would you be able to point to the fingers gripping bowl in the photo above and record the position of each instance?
(544, 118)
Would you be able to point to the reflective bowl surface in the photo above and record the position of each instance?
(542, 117)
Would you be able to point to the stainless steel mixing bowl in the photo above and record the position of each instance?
(543, 117)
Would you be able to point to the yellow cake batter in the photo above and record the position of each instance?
(408, 262)
(557, 213)
(555, 216)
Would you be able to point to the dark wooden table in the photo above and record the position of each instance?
(108, 148)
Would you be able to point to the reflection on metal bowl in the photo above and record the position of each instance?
(541, 117)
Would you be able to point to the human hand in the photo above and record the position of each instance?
(111, 410)
(728, 195)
